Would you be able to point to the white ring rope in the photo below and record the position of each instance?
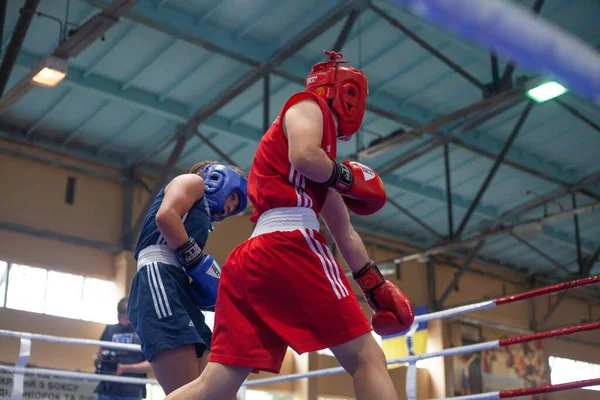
(77, 375)
(330, 371)
(67, 340)
(481, 396)
(454, 311)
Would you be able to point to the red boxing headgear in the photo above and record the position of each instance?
(344, 87)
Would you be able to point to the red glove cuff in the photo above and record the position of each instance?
(369, 277)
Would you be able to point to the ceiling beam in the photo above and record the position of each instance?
(178, 113)
(253, 52)
(281, 55)
(343, 35)
(210, 36)
(182, 133)
(431, 49)
(16, 41)
(91, 30)
(461, 243)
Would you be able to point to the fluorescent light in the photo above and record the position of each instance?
(546, 92)
(48, 77)
(51, 71)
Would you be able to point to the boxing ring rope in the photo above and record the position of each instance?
(451, 312)
(65, 340)
(493, 344)
(76, 375)
(515, 33)
(412, 358)
(19, 369)
(506, 394)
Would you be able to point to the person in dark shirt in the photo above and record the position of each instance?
(121, 362)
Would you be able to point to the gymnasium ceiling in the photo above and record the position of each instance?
(169, 69)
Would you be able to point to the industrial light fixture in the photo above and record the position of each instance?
(49, 72)
(546, 91)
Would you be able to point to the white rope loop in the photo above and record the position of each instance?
(19, 378)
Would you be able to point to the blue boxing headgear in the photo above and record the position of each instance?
(219, 183)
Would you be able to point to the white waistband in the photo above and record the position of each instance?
(286, 219)
(157, 253)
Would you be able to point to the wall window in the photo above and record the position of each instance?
(63, 295)
(3, 276)
(563, 370)
(26, 288)
(74, 296)
(99, 301)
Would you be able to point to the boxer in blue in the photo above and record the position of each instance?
(175, 279)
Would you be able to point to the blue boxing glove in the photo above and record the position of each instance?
(201, 300)
(205, 276)
(204, 271)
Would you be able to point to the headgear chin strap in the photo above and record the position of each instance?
(344, 87)
(219, 183)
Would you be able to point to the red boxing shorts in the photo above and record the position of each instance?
(281, 288)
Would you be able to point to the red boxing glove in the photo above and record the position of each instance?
(393, 312)
(362, 188)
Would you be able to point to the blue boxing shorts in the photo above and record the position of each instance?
(161, 309)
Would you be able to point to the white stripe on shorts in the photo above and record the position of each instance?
(158, 313)
(154, 283)
(323, 263)
(333, 266)
(162, 288)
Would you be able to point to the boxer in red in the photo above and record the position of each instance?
(283, 286)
